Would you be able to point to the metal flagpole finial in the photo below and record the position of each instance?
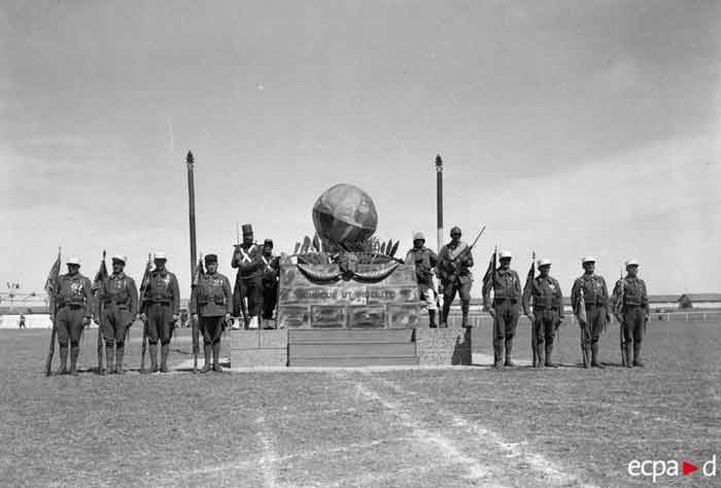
(189, 159)
(439, 163)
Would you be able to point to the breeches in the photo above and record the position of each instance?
(463, 289)
(115, 323)
(212, 328)
(545, 325)
(596, 317)
(160, 323)
(69, 325)
(270, 298)
(504, 324)
(252, 292)
(633, 319)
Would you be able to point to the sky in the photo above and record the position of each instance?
(569, 128)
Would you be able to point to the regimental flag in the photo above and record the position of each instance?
(146, 275)
(581, 307)
(101, 276)
(530, 276)
(491, 269)
(51, 282)
(198, 271)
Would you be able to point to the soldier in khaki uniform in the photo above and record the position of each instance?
(454, 270)
(547, 300)
(162, 300)
(211, 303)
(74, 304)
(425, 261)
(505, 309)
(630, 302)
(592, 288)
(120, 300)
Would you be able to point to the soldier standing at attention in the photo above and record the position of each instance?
(547, 299)
(425, 261)
(211, 304)
(162, 297)
(506, 286)
(120, 299)
(630, 301)
(454, 270)
(74, 301)
(271, 270)
(248, 281)
(592, 288)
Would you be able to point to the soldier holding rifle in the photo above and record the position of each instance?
(630, 303)
(454, 270)
(545, 294)
(248, 281)
(591, 305)
(505, 309)
(211, 304)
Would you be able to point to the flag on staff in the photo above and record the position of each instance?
(581, 307)
(491, 268)
(198, 271)
(52, 278)
(101, 276)
(529, 278)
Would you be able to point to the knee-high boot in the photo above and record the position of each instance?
(594, 356)
(74, 353)
(206, 353)
(63, 369)
(119, 353)
(164, 350)
(110, 358)
(153, 358)
(216, 357)
(637, 355)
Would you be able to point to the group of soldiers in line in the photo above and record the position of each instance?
(115, 303)
(541, 300)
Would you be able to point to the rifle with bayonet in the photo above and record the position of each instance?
(455, 260)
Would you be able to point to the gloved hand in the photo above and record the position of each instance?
(531, 317)
(492, 312)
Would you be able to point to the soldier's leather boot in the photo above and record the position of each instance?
(216, 357)
(119, 353)
(74, 352)
(164, 350)
(153, 358)
(626, 351)
(432, 319)
(63, 369)
(509, 347)
(464, 310)
(594, 356)
(444, 316)
(637, 355)
(497, 356)
(549, 350)
(110, 359)
(541, 357)
(206, 353)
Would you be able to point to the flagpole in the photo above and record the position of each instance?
(439, 200)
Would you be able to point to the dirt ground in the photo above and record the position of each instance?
(443, 427)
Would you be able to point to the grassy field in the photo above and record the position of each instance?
(444, 427)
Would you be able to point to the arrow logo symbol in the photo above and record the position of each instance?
(688, 468)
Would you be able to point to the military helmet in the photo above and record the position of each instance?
(455, 230)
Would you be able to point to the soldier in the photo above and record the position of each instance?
(74, 305)
(506, 286)
(271, 271)
(162, 299)
(592, 288)
(120, 300)
(248, 281)
(211, 303)
(454, 263)
(21, 322)
(425, 261)
(547, 315)
(630, 302)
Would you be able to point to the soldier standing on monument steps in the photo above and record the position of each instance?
(454, 270)
(248, 281)
(425, 261)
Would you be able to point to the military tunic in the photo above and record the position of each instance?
(74, 303)
(162, 298)
(424, 260)
(271, 271)
(506, 286)
(454, 270)
(211, 300)
(595, 295)
(547, 300)
(120, 304)
(248, 281)
(630, 300)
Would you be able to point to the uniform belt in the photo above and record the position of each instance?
(594, 305)
(71, 305)
(553, 309)
(629, 305)
(159, 303)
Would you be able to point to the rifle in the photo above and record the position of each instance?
(528, 294)
(50, 288)
(194, 323)
(141, 304)
(619, 317)
(51, 351)
(462, 253)
(100, 281)
(583, 322)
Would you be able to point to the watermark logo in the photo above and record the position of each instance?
(658, 469)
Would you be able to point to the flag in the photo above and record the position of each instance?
(581, 307)
(491, 268)
(146, 275)
(52, 280)
(529, 278)
(101, 276)
(198, 272)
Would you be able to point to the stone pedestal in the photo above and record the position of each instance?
(443, 347)
(258, 348)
